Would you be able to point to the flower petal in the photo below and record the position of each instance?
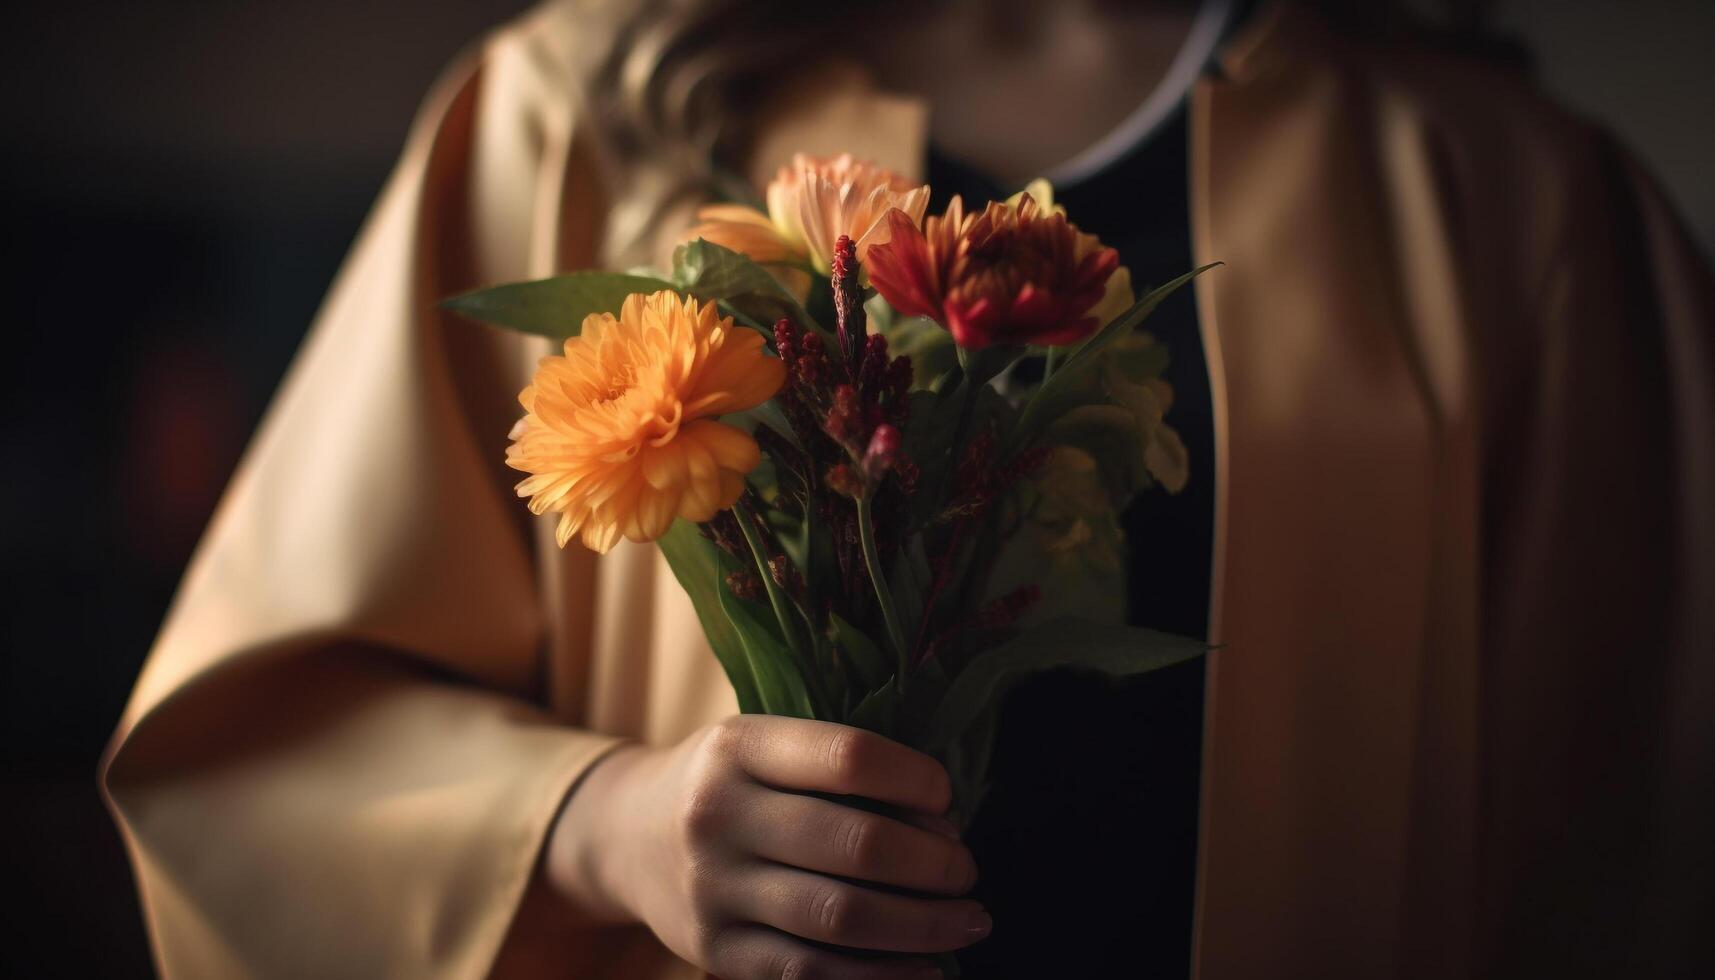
(611, 441)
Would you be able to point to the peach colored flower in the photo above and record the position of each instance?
(812, 202)
(1014, 274)
(619, 435)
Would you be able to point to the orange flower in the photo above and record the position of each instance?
(619, 435)
(811, 203)
(1014, 274)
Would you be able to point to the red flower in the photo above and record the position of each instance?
(1010, 275)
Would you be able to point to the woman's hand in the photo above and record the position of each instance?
(712, 845)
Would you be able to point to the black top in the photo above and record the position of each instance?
(1087, 840)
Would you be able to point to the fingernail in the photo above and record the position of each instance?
(942, 826)
(978, 924)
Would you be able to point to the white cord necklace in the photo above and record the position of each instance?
(1200, 43)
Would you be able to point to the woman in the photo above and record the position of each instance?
(1458, 371)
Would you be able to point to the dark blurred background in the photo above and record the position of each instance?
(182, 178)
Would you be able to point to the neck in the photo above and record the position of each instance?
(1016, 88)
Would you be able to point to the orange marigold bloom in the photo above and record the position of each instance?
(812, 202)
(1014, 274)
(619, 435)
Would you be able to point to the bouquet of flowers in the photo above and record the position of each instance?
(883, 453)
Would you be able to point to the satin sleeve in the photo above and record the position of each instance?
(338, 760)
(1599, 774)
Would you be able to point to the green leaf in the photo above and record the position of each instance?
(884, 596)
(963, 730)
(879, 710)
(1116, 442)
(1066, 538)
(786, 615)
(927, 443)
(1116, 427)
(864, 657)
(1140, 356)
(710, 271)
(909, 584)
(983, 366)
(1059, 392)
(779, 685)
(770, 414)
(553, 307)
(791, 632)
(697, 564)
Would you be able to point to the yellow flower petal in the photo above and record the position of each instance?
(618, 436)
(746, 231)
(1043, 193)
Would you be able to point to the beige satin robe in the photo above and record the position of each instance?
(1465, 558)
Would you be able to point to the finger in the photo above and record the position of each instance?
(818, 835)
(760, 953)
(828, 910)
(934, 823)
(795, 753)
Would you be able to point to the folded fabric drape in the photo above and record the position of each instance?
(1464, 393)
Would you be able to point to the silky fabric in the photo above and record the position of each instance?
(1460, 721)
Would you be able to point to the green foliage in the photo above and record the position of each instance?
(709, 271)
(983, 366)
(927, 440)
(779, 684)
(555, 307)
(910, 581)
(1140, 356)
(1068, 541)
(701, 569)
(1116, 428)
(768, 414)
(879, 710)
(870, 666)
(1062, 390)
(1058, 528)
(762, 669)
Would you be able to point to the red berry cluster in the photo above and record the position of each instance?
(997, 614)
(978, 480)
(848, 408)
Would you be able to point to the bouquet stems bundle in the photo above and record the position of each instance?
(883, 453)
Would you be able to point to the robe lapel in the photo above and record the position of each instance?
(1338, 753)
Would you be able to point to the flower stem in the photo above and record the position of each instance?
(883, 597)
(967, 395)
(967, 408)
(1051, 363)
(943, 575)
(777, 598)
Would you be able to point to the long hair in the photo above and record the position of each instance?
(672, 87)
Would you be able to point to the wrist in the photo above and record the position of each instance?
(586, 857)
